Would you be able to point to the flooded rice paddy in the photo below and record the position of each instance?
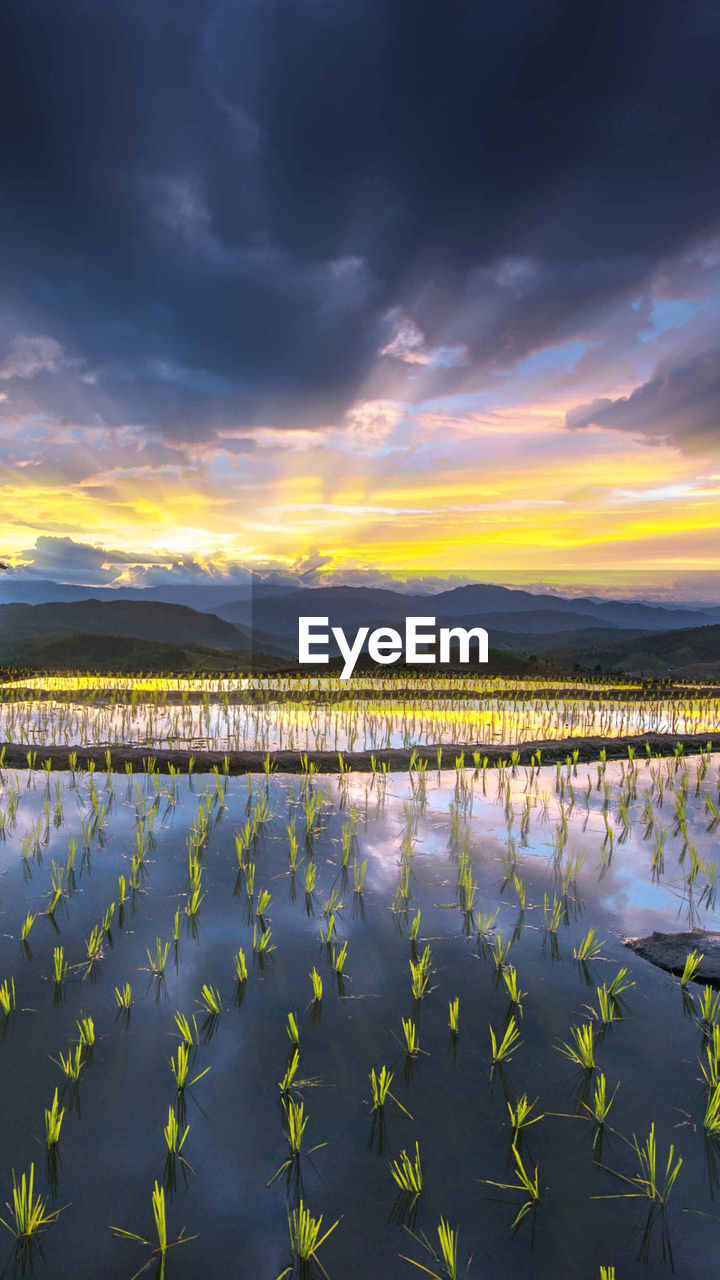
(268, 719)
(282, 942)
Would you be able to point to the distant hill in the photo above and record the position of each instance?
(694, 651)
(479, 605)
(559, 633)
(124, 654)
(274, 607)
(23, 624)
(204, 597)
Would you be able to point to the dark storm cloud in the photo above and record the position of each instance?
(213, 214)
(65, 559)
(680, 402)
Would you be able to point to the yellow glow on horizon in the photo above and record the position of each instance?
(483, 494)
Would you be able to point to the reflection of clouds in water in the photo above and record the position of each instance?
(236, 1141)
(621, 885)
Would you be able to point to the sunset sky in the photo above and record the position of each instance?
(361, 287)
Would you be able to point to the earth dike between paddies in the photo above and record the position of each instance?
(389, 760)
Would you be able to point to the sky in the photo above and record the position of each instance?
(361, 289)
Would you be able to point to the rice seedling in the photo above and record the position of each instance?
(486, 922)
(504, 1048)
(293, 846)
(180, 1067)
(59, 967)
(188, 1033)
(28, 1211)
(652, 1180)
(359, 873)
(410, 1041)
(528, 1184)
(709, 1006)
(157, 958)
(93, 946)
(589, 948)
(328, 933)
(606, 1011)
(317, 985)
(305, 1238)
(331, 905)
(447, 1257)
(520, 1115)
(241, 969)
(53, 1121)
(510, 979)
(407, 1173)
(338, 958)
(711, 1067)
(402, 897)
(692, 963)
(195, 896)
(295, 1124)
(57, 876)
(292, 1029)
(415, 927)
(500, 950)
(581, 1047)
(711, 1118)
(123, 997)
(380, 1082)
(290, 1081)
(620, 983)
(658, 854)
(520, 891)
(86, 1027)
(160, 1219)
(261, 941)
(599, 1107)
(72, 1063)
(27, 925)
(174, 1135)
(420, 974)
(210, 1000)
(454, 1015)
(7, 997)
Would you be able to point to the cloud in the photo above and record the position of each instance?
(370, 423)
(63, 559)
(305, 252)
(680, 402)
(408, 344)
(66, 560)
(308, 565)
(261, 219)
(30, 356)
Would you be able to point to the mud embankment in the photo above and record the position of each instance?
(392, 759)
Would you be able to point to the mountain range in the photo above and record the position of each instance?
(47, 624)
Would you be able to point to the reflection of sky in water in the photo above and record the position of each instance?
(113, 1150)
(344, 726)
(621, 885)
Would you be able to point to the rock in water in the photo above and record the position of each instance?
(670, 951)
